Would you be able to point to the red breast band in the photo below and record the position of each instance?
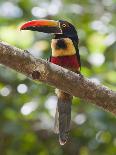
(66, 61)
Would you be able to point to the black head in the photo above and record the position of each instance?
(68, 30)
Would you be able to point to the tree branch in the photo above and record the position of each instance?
(68, 81)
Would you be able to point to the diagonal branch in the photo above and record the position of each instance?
(68, 81)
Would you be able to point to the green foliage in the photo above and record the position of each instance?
(27, 108)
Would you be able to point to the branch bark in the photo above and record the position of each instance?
(68, 81)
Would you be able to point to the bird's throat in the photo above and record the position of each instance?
(62, 47)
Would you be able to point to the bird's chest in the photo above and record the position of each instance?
(64, 53)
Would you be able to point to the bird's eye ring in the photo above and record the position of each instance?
(64, 25)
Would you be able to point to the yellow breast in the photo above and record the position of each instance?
(69, 50)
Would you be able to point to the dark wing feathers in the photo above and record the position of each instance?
(77, 51)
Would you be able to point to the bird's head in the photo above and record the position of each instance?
(59, 28)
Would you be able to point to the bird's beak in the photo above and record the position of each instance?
(46, 26)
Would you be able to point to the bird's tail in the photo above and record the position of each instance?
(63, 116)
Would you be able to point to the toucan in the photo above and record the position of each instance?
(65, 53)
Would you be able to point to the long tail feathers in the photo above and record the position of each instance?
(63, 117)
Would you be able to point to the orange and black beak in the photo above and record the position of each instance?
(46, 26)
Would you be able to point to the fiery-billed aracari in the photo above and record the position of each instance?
(65, 53)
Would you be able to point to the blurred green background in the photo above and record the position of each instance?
(27, 108)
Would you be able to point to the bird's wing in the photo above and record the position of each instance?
(77, 52)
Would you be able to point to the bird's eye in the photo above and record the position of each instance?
(64, 25)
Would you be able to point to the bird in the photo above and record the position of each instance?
(65, 53)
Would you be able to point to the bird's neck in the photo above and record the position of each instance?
(62, 47)
(72, 37)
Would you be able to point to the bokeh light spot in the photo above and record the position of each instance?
(27, 108)
(80, 119)
(50, 104)
(96, 59)
(5, 91)
(22, 88)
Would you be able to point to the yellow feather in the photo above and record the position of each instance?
(70, 50)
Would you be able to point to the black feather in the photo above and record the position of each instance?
(61, 44)
(75, 43)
